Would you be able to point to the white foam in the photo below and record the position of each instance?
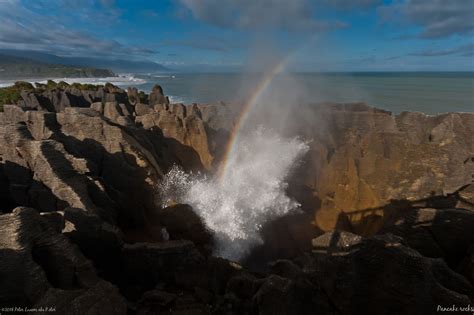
(121, 80)
(177, 99)
(252, 193)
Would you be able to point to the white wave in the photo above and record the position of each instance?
(177, 99)
(6, 83)
(163, 76)
(122, 80)
(252, 193)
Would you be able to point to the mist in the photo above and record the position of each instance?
(269, 146)
(250, 188)
(236, 206)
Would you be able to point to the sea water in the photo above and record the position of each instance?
(427, 92)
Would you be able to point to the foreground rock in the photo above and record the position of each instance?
(381, 274)
(82, 229)
(42, 268)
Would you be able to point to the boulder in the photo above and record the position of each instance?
(149, 263)
(102, 298)
(278, 295)
(441, 233)
(381, 274)
(466, 267)
(157, 96)
(40, 267)
(336, 242)
(182, 223)
(143, 109)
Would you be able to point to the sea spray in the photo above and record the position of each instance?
(252, 191)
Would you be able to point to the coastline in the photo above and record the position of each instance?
(82, 173)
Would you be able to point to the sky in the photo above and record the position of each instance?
(231, 35)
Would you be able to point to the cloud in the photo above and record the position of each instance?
(464, 50)
(295, 15)
(26, 30)
(205, 43)
(351, 4)
(437, 18)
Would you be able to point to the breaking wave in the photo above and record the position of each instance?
(252, 192)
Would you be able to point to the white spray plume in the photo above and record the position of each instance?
(251, 193)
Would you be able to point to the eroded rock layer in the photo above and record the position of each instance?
(81, 228)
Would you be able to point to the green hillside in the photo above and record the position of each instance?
(17, 68)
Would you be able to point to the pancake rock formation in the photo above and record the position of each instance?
(386, 223)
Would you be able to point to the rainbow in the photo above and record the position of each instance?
(244, 114)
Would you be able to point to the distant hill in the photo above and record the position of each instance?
(116, 65)
(13, 67)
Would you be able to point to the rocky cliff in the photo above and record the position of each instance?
(362, 159)
(388, 208)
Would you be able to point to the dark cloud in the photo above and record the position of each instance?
(295, 15)
(464, 50)
(351, 4)
(437, 18)
(25, 30)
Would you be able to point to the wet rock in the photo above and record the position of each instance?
(155, 301)
(466, 267)
(243, 285)
(55, 220)
(279, 295)
(149, 263)
(102, 298)
(436, 232)
(336, 242)
(285, 268)
(383, 274)
(182, 223)
(213, 274)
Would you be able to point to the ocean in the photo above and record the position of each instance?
(427, 92)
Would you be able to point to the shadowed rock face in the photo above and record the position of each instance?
(183, 124)
(41, 267)
(384, 273)
(362, 158)
(93, 239)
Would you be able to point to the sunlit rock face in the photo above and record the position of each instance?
(367, 158)
(361, 158)
(183, 124)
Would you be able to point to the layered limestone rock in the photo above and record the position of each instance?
(381, 273)
(181, 123)
(361, 159)
(79, 159)
(97, 241)
(42, 268)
